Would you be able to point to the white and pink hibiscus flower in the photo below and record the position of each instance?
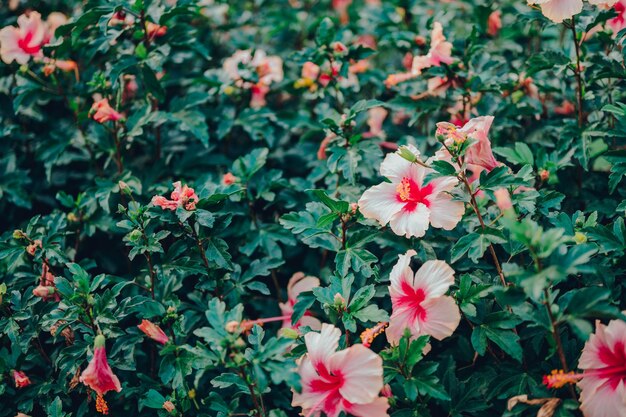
(24, 42)
(419, 301)
(298, 284)
(268, 69)
(559, 10)
(408, 203)
(603, 380)
(348, 380)
(619, 22)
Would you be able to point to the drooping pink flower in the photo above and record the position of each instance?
(99, 376)
(479, 154)
(341, 7)
(408, 203)
(375, 119)
(440, 49)
(46, 288)
(20, 378)
(153, 331)
(182, 196)
(494, 23)
(440, 52)
(24, 42)
(348, 380)
(419, 301)
(603, 380)
(102, 112)
(299, 283)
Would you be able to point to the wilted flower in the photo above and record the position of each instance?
(99, 376)
(341, 7)
(25, 41)
(155, 31)
(33, 246)
(169, 406)
(153, 331)
(565, 109)
(229, 179)
(298, 284)
(46, 288)
(182, 196)
(375, 119)
(20, 378)
(408, 203)
(602, 382)
(494, 23)
(102, 112)
(348, 381)
(419, 302)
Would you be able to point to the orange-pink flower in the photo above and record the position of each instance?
(229, 179)
(99, 376)
(24, 42)
(102, 112)
(154, 30)
(494, 23)
(153, 331)
(20, 378)
(182, 196)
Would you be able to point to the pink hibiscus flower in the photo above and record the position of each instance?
(479, 154)
(102, 112)
(299, 283)
(418, 300)
(408, 203)
(98, 375)
(24, 42)
(619, 22)
(182, 196)
(348, 381)
(153, 331)
(603, 380)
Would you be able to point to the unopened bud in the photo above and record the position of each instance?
(18, 234)
(124, 188)
(232, 326)
(288, 333)
(72, 217)
(339, 302)
(580, 238)
(406, 153)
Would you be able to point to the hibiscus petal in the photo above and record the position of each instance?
(558, 10)
(434, 277)
(362, 372)
(377, 408)
(446, 213)
(320, 346)
(411, 223)
(442, 317)
(380, 203)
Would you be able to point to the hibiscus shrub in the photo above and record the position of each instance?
(274, 208)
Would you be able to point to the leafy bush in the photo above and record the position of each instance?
(272, 207)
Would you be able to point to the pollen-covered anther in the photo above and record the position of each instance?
(101, 405)
(558, 378)
(368, 336)
(404, 190)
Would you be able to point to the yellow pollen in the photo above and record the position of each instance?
(558, 378)
(101, 405)
(368, 336)
(404, 190)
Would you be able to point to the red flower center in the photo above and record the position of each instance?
(410, 193)
(413, 298)
(615, 359)
(24, 44)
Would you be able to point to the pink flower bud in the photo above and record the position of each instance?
(21, 380)
(153, 331)
(102, 112)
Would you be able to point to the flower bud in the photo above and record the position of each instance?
(580, 238)
(18, 234)
(288, 333)
(406, 153)
(43, 291)
(232, 326)
(124, 188)
(339, 302)
(191, 394)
